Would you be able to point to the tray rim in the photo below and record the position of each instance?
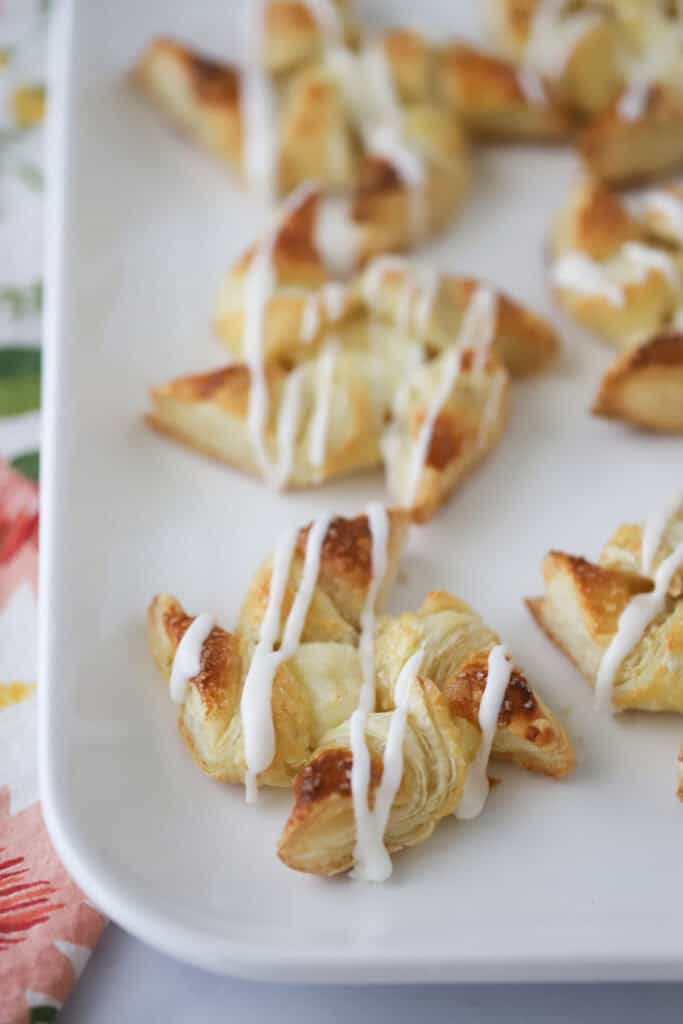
(254, 960)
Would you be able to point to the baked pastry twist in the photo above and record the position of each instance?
(618, 64)
(620, 620)
(307, 683)
(618, 269)
(396, 366)
(382, 119)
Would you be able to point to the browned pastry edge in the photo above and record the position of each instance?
(632, 152)
(521, 713)
(644, 386)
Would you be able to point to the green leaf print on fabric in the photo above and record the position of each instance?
(28, 464)
(22, 302)
(19, 380)
(42, 1014)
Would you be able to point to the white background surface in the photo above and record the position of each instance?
(570, 880)
(126, 981)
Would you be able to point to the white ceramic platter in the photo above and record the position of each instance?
(571, 880)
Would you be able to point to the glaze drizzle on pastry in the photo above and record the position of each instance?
(477, 787)
(643, 608)
(259, 107)
(256, 702)
(187, 662)
(476, 335)
(258, 289)
(372, 862)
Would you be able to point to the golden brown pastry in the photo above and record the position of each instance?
(359, 119)
(578, 47)
(440, 742)
(497, 100)
(618, 269)
(630, 150)
(396, 366)
(314, 690)
(638, 662)
(619, 63)
(380, 119)
(644, 387)
(296, 670)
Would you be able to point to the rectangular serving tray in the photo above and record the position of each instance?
(572, 880)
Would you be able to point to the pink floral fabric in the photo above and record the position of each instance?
(47, 927)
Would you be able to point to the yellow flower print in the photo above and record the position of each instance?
(28, 103)
(14, 693)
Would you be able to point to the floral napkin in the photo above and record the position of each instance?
(47, 928)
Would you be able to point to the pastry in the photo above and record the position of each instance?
(357, 116)
(620, 620)
(618, 269)
(618, 64)
(395, 366)
(628, 145)
(383, 725)
(644, 387)
(382, 120)
(498, 100)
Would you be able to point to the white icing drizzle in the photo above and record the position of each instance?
(258, 288)
(372, 862)
(328, 20)
(424, 304)
(476, 334)
(677, 321)
(258, 100)
(633, 102)
(655, 528)
(578, 272)
(492, 407)
(310, 318)
(287, 425)
(666, 205)
(187, 662)
(378, 522)
(335, 236)
(255, 705)
(654, 64)
(646, 258)
(479, 326)
(553, 38)
(531, 84)
(320, 421)
(417, 297)
(633, 622)
(366, 84)
(333, 296)
(476, 788)
(450, 371)
(330, 300)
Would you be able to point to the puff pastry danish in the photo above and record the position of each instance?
(382, 119)
(618, 64)
(358, 116)
(620, 620)
(618, 269)
(366, 716)
(397, 367)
